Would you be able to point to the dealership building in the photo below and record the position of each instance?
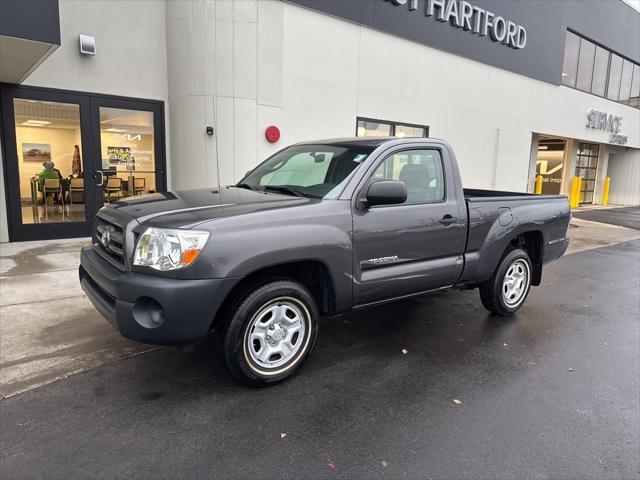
(134, 97)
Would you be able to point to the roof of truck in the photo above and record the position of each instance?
(372, 142)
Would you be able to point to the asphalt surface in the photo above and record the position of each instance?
(628, 217)
(552, 393)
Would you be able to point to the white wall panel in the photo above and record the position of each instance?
(225, 139)
(224, 56)
(624, 170)
(245, 11)
(245, 136)
(245, 60)
(270, 44)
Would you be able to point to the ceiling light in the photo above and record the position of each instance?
(35, 123)
(115, 130)
(543, 147)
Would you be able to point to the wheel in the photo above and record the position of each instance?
(271, 329)
(505, 292)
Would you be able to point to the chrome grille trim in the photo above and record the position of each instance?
(113, 250)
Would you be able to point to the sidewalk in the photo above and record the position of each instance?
(49, 330)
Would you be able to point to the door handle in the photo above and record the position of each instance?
(448, 219)
(101, 178)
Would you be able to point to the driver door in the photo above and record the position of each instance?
(415, 246)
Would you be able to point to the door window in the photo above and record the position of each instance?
(586, 167)
(127, 152)
(420, 170)
(50, 164)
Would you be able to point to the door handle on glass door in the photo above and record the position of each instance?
(448, 219)
(101, 178)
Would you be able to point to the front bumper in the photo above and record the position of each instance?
(149, 309)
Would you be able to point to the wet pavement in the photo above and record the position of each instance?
(552, 393)
(628, 217)
(48, 328)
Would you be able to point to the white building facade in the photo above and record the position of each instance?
(181, 93)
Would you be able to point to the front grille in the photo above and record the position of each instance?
(109, 242)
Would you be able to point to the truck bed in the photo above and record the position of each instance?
(495, 217)
(475, 194)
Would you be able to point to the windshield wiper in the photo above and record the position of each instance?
(248, 187)
(285, 190)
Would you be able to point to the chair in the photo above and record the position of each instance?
(51, 186)
(139, 186)
(113, 187)
(75, 185)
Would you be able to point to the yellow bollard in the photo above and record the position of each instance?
(572, 192)
(578, 190)
(605, 193)
(538, 189)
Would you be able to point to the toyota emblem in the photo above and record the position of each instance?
(105, 239)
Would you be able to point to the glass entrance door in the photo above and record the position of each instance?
(67, 154)
(586, 167)
(129, 148)
(50, 187)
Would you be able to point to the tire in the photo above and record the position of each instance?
(506, 291)
(271, 328)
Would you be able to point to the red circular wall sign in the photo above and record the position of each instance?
(272, 134)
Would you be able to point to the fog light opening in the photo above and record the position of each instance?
(148, 313)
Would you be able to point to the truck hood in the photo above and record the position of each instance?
(189, 208)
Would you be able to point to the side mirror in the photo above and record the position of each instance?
(386, 192)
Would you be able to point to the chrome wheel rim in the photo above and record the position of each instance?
(516, 283)
(277, 333)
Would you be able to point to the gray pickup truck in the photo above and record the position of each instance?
(317, 229)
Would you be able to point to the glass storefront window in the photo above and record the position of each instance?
(596, 70)
(50, 166)
(407, 131)
(381, 128)
(127, 147)
(373, 129)
(615, 73)
(625, 82)
(634, 97)
(570, 64)
(585, 65)
(600, 67)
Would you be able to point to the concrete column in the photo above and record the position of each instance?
(533, 162)
(4, 225)
(570, 159)
(225, 71)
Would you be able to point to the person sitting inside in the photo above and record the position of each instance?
(48, 172)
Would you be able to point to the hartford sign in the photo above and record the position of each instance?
(465, 15)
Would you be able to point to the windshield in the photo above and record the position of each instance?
(316, 171)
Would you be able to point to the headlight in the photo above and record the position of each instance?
(163, 249)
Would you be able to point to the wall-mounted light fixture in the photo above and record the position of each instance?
(87, 44)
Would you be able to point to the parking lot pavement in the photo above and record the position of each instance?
(628, 217)
(551, 393)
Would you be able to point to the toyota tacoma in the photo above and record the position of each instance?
(317, 229)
